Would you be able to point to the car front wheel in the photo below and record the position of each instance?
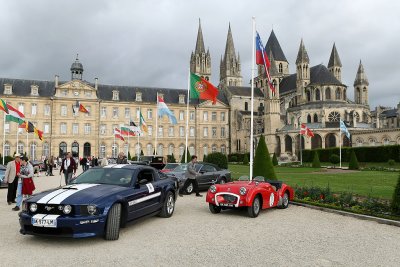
(113, 222)
(255, 208)
(214, 208)
(168, 206)
(285, 201)
(189, 189)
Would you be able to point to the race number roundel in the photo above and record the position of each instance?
(201, 86)
(271, 199)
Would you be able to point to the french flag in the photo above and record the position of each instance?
(164, 110)
(261, 54)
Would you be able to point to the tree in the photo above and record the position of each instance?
(189, 158)
(218, 159)
(262, 161)
(141, 153)
(334, 159)
(129, 156)
(245, 160)
(316, 163)
(274, 160)
(171, 158)
(353, 163)
(205, 158)
(396, 198)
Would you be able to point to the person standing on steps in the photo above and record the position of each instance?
(68, 167)
(190, 175)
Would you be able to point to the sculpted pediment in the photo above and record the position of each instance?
(76, 89)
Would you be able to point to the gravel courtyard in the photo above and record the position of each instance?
(193, 236)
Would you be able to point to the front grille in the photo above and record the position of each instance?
(49, 231)
(50, 209)
(230, 198)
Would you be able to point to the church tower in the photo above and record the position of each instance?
(302, 72)
(230, 69)
(76, 70)
(273, 47)
(361, 86)
(335, 65)
(200, 60)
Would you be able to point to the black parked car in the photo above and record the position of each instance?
(157, 162)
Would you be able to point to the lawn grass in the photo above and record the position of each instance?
(365, 183)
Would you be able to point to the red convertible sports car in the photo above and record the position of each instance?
(254, 195)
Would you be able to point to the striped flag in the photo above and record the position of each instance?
(343, 129)
(14, 115)
(304, 130)
(126, 131)
(3, 106)
(162, 109)
(117, 134)
(142, 123)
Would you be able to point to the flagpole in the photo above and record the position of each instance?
(187, 119)
(138, 137)
(4, 135)
(129, 133)
(27, 142)
(340, 148)
(156, 130)
(114, 143)
(252, 98)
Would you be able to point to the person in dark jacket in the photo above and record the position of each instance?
(68, 167)
(122, 159)
(190, 175)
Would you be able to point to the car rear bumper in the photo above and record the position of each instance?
(75, 227)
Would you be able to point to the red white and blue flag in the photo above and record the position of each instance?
(164, 110)
(262, 59)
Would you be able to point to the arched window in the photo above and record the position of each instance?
(344, 94)
(315, 118)
(328, 93)
(20, 148)
(181, 150)
(246, 106)
(205, 149)
(170, 149)
(87, 149)
(214, 148)
(308, 95)
(7, 149)
(386, 141)
(358, 95)
(149, 149)
(114, 151)
(338, 94)
(102, 151)
(75, 149)
(126, 150)
(223, 149)
(160, 150)
(138, 149)
(192, 150)
(288, 144)
(280, 68)
(317, 94)
(308, 118)
(359, 142)
(62, 149)
(46, 149)
(33, 151)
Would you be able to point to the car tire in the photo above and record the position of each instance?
(168, 206)
(255, 208)
(214, 208)
(189, 189)
(285, 201)
(113, 222)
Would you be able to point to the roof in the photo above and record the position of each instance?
(334, 59)
(361, 77)
(287, 84)
(274, 46)
(302, 56)
(229, 47)
(244, 91)
(23, 87)
(389, 113)
(199, 42)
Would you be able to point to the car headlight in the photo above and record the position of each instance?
(213, 189)
(243, 191)
(33, 207)
(67, 209)
(91, 209)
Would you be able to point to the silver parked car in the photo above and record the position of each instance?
(2, 173)
(209, 174)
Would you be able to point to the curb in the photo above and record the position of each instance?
(349, 214)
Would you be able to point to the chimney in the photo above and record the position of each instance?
(96, 80)
(56, 81)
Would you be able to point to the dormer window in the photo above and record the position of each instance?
(34, 90)
(138, 96)
(181, 99)
(115, 95)
(8, 89)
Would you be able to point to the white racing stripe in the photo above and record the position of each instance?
(117, 166)
(140, 200)
(51, 195)
(69, 192)
(51, 217)
(39, 216)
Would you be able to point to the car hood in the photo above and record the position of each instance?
(234, 187)
(77, 194)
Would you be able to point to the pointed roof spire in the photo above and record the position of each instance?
(230, 47)
(334, 60)
(200, 42)
(302, 56)
(274, 46)
(361, 77)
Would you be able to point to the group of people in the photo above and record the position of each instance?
(18, 175)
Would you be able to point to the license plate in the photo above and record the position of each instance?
(226, 205)
(44, 222)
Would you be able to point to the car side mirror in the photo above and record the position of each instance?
(202, 172)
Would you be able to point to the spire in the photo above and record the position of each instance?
(334, 60)
(361, 77)
(273, 70)
(200, 42)
(274, 46)
(302, 56)
(230, 47)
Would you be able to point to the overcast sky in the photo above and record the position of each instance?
(148, 42)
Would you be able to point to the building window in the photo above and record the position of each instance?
(88, 128)
(46, 128)
(75, 128)
(102, 151)
(114, 151)
(47, 110)
(181, 131)
(328, 93)
(63, 110)
(7, 127)
(150, 130)
(223, 150)
(63, 128)
(191, 150)
(386, 141)
(214, 149)
(205, 116)
(149, 149)
(115, 112)
(338, 94)
(191, 132)
(6, 149)
(137, 113)
(21, 107)
(171, 131)
(181, 150)
(8, 91)
(33, 151)
(88, 108)
(103, 129)
(127, 113)
(222, 116)
(46, 150)
(150, 114)
(315, 118)
(214, 116)
(170, 149)
(359, 142)
(280, 68)
(317, 94)
(214, 131)
(246, 106)
(181, 115)
(20, 148)
(34, 90)
(205, 132)
(192, 115)
(334, 116)
(103, 112)
(64, 92)
(115, 95)
(223, 132)
(88, 93)
(205, 150)
(34, 109)
(160, 150)
(181, 99)
(308, 118)
(138, 96)
(160, 131)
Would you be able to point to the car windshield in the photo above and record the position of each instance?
(110, 176)
(183, 167)
(170, 166)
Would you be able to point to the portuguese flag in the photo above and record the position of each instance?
(202, 89)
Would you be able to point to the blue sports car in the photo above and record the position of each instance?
(100, 201)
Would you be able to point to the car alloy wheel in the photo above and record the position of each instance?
(256, 205)
(170, 204)
(189, 189)
(285, 200)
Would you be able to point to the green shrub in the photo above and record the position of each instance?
(353, 164)
(218, 159)
(334, 159)
(274, 160)
(204, 158)
(245, 160)
(233, 159)
(391, 162)
(395, 206)
(171, 158)
(184, 155)
(316, 163)
(141, 153)
(262, 161)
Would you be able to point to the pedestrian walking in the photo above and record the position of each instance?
(11, 178)
(84, 164)
(104, 161)
(25, 182)
(122, 159)
(68, 167)
(190, 175)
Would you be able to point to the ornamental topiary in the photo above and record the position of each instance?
(274, 160)
(245, 160)
(316, 163)
(171, 158)
(395, 206)
(262, 161)
(189, 158)
(218, 159)
(353, 164)
(334, 159)
(204, 158)
(233, 159)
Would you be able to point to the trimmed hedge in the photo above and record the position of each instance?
(218, 159)
(363, 154)
(262, 161)
(237, 157)
(275, 160)
(353, 164)
(316, 163)
(395, 206)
